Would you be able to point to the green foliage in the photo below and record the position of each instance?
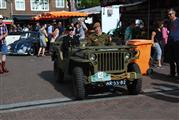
(89, 3)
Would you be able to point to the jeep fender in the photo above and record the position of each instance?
(84, 64)
(134, 74)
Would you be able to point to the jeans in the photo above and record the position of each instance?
(173, 56)
(3, 48)
(157, 52)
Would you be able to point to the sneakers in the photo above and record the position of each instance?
(174, 76)
(171, 76)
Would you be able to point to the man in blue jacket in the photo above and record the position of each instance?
(173, 43)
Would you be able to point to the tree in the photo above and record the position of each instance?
(88, 3)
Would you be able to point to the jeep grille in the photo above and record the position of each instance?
(111, 61)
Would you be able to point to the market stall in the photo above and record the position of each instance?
(58, 15)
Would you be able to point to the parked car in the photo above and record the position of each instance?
(27, 44)
(12, 37)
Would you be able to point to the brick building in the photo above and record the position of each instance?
(20, 10)
(5, 8)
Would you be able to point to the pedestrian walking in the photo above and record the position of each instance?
(156, 37)
(165, 33)
(3, 46)
(68, 41)
(50, 29)
(173, 43)
(61, 28)
(43, 37)
(83, 29)
(129, 32)
(55, 33)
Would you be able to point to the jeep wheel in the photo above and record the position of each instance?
(58, 73)
(134, 87)
(78, 83)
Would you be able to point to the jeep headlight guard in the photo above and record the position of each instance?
(128, 55)
(92, 57)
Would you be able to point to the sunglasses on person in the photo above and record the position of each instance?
(170, 14)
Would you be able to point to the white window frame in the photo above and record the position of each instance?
(3, 4)
(38, 7)
(20, 5)
(60, 3)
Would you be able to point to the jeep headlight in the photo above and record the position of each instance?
(128, 55)
(92, 57)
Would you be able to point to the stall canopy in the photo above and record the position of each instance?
(92, 10)
(8, 21)
(58, 15)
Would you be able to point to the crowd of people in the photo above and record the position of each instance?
(165, 37)
(166, 41)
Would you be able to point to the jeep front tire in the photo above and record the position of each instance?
(58, 73)
(78, 83)
(134, 87)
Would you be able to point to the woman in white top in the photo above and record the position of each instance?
(55, 34)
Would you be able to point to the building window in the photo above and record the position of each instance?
(39, 5)
(60, 3)
(2, 4)
(20, 4)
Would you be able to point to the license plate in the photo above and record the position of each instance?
(116, 83)
(101, 77)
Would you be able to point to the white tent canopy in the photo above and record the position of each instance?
(92, 10)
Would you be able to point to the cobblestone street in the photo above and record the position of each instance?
(29, 92)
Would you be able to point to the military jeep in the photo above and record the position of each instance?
(98, 66)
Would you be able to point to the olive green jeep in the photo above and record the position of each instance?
(98, 66)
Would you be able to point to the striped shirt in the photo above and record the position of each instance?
(3, 30)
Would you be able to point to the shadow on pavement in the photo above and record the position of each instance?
(166, 91)
(164, 77)
(64, 88)
(169, 96)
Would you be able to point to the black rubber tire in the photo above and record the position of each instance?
(31, 52)
(78, 83)
(134, 87)
(150, 71)
(58, 73)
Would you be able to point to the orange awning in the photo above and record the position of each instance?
(59, 14)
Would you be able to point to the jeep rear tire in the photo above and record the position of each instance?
(78, 83)
(58, 73)
(134, 87)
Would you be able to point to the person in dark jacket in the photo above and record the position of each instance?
(68, 41)
(173, 43)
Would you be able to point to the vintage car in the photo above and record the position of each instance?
(12, 37)
(26, 45)
(98, 66)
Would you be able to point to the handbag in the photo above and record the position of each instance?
(46, 39)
